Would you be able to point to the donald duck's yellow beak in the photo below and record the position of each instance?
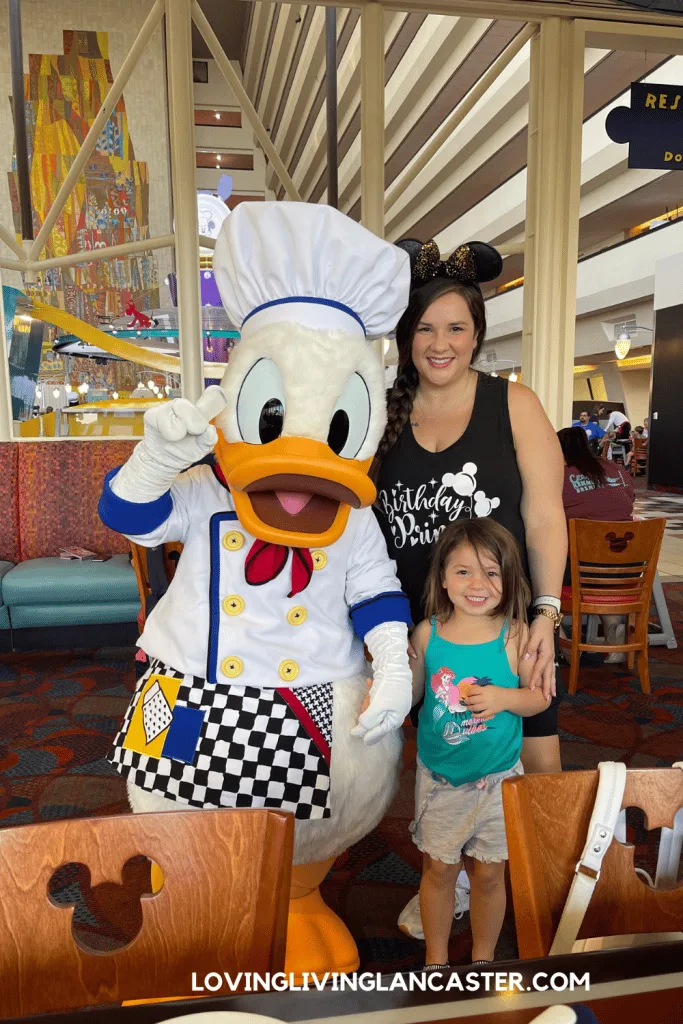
(293, 490)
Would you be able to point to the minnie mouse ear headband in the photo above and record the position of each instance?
(472, 263)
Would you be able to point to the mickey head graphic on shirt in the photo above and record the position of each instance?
(464, 484)
(483, 506)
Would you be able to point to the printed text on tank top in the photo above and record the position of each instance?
(420, 492)
(412, 512)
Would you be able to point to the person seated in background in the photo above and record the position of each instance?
(594, 489)
(639, 434)
(592, 428)
(646, 427)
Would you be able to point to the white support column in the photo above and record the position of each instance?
(372, 123)
(530, 258)
(6, 424)
(372, 116)
(181, 113)
(552, 215)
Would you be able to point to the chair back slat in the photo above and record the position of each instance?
(546, 819)
(223, 905)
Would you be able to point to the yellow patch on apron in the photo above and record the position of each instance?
(152, 716)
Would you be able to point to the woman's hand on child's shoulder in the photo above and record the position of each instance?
(517, 640)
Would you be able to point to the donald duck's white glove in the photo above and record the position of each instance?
(177, 434)
(391, 695)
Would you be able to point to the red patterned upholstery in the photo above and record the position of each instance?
(9, 503)
(60, 483)
(607, 599)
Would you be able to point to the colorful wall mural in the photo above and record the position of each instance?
(110, 203)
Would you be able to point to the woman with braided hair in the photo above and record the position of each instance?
(462, 443)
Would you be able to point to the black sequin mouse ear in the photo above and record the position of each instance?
(471, 263)
(412, 246)
(489, 262)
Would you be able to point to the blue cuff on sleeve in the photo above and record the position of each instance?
(393, 606)
(130, 517)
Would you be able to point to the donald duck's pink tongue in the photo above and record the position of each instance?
(293, 501)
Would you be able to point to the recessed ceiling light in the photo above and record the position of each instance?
(218, 117)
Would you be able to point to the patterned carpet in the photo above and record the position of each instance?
(58, 713)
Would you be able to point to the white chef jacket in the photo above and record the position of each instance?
(211, 623)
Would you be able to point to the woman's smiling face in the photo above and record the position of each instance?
(444, 340)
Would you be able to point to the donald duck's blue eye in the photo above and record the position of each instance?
(261, 403)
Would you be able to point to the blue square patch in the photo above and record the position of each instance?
(183, 734)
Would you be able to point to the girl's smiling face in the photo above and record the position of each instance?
(473, 581)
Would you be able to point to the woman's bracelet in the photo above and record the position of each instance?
(551, 602)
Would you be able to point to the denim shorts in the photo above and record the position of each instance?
(452, 820)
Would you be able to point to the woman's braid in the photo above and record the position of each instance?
(399, 407)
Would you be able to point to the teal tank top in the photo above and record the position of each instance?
(450, 741)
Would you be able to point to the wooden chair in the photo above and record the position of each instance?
(613, 567)
(222, 907)
(171, 554)
(638, 461)
(546, 819)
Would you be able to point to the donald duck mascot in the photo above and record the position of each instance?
(257, 676)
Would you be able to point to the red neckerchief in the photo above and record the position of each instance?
(265, 561)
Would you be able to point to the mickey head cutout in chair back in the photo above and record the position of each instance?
(618, 544)
(108, 916)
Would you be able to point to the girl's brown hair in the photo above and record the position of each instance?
(487, 537)
(401, 396)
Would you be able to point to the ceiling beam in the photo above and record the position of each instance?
(653, 39)
(524, 10)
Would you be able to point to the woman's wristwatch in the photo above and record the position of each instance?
(550, 608)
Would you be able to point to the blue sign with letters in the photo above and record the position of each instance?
(652, 126)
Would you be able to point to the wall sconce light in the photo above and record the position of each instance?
(622, 344)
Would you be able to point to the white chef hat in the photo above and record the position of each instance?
(308, 264)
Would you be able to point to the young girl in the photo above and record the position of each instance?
(469, 735)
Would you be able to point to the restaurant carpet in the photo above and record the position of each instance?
(59, 712)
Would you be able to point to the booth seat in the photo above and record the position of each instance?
(4, 614)
(56, 592)
(50, 490)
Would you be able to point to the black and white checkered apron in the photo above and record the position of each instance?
(254, 747)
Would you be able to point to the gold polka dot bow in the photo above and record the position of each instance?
(460, 266)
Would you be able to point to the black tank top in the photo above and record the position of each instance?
(420, 492)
